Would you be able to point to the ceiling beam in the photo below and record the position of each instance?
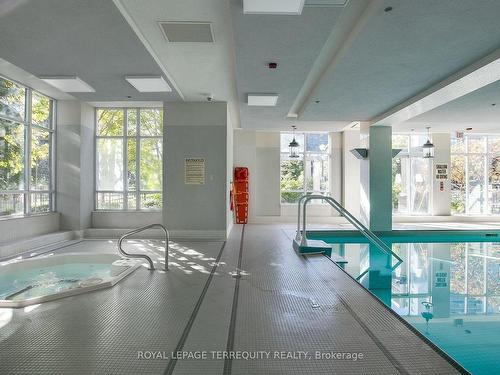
(123, 10)
(482, 73)
(351, 22)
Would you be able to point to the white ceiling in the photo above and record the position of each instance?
(473, 110)
(377, 59)
(89, 39)
(198, 69)
(336, 64)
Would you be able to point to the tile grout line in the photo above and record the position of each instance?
(228, 362)
(182, 341)
(397, 365)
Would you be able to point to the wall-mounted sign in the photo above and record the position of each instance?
(441, 171)
(441, 280)
(194, 171)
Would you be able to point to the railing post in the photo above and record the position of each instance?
(144, 256)
(298, 234)
(372, 238)
(303, 241)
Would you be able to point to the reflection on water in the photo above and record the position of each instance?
(450, 292)
(459, 278)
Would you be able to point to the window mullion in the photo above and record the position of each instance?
(125, 159)
(137, 160)
(27, 163)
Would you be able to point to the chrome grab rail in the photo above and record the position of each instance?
(298, 234)
(372, 238)
(144, 256)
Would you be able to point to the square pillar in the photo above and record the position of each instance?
(376, 178)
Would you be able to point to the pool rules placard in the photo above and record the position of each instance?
(441, 171)
(194, 171)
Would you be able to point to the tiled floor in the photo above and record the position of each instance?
(276, 304)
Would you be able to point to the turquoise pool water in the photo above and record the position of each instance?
(52, 279)
(451, 278)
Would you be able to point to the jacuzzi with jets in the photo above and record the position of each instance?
(46, 278)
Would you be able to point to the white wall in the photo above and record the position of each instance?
(196, 130)
(229, 170)
(260, 152)
(441, 200)
(124, 219)
(267, 174)
(244, 155)
(13, 229)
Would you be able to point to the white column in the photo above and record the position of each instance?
(375, 176)
(75, 164)
(336, 162)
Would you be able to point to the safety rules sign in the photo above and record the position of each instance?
(441, 171)
(194, 169)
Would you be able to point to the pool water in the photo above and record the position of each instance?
(51, 280)
(455, 285)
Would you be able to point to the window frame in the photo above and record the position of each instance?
(414, 152)
(28, 124)
(305, 156)
(125, 137)
(487, 158)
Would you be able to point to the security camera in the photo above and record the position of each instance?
(210, 98)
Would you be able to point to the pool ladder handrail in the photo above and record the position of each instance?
(144, 256)
(372, 237)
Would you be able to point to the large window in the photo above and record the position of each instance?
(475, 175)
(309, 173)
(129, 154)
(26, 150)
(411, 176)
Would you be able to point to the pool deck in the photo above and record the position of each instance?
(251, 294)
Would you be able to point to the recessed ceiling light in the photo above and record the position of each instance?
(262, 100)
(149, 84)
(273, 7)
(68, 84)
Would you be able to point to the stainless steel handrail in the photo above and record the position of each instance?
(372, 238)
(298, 234)
(144, 256)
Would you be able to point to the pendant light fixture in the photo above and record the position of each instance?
(293, 145)
(428, 147)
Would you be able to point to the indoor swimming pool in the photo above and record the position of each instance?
(448, 290)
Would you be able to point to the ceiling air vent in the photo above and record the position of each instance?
(326, 3)
(187, 32)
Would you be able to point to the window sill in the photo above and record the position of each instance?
(129, 211)
(17, 217)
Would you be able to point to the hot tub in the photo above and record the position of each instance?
(42, 279)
